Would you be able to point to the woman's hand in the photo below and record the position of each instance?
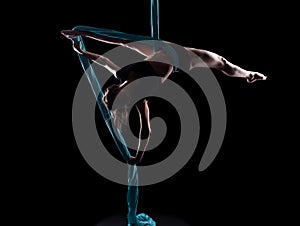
(132, 160)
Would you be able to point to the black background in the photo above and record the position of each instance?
(247, 181)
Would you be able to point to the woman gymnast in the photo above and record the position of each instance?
(124, 76)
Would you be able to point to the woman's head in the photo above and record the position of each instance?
(112, 92)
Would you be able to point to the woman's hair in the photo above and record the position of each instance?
(110, 94)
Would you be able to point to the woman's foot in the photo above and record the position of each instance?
(70, 34)
(255, 76)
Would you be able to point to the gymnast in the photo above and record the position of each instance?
(207, 59)
(124, 76)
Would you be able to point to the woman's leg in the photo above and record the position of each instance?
(150, 51)
(97, 58)
(213, 60)
(112, 37)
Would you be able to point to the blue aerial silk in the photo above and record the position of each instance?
(133, 192)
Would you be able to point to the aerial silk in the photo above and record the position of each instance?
(133, 192)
